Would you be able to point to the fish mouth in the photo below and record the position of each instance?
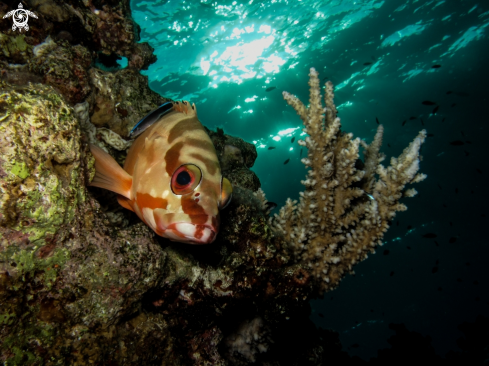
(191, 233)
(191, 229)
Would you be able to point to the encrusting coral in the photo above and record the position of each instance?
(345, 210)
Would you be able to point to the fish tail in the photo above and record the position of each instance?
(109, 175)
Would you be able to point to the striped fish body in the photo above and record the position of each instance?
(176, 186)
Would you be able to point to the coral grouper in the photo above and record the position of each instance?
(171, 178)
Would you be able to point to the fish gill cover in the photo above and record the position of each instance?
(84, 281)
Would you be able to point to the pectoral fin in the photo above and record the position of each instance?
(124, 202)
(109, 175)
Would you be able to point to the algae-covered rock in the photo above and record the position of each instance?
(40, 149)
(236, 157)
(64, 67)
(14, 48)
(121, 99)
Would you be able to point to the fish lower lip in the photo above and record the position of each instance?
(198, 234)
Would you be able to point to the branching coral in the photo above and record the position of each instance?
(347, 205)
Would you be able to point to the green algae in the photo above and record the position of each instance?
(20, 170)
(15, 47)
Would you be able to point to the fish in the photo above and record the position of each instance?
(439, 186)
(377, 120)
(434, 269)
(171, 177)
(435, 109)
(150, 119)
(269, 89)
(367, 63)
(452, 240)
(403, 123)
(271, 206)
(453, 105)
(457, 143)
(430, 135)
(386, 252)
(478, 170)
(421, 121)
(301, 153)
(412, 118)
(428, 102)
(293, 139)
(429, 236)
(286, 161)
(271, 148)
(435, 66)
(389, 145)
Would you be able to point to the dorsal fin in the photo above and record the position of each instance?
(109, 175)
(150, 118)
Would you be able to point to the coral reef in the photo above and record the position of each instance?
(236, 157)
(56, 48)
(345, 210)
(83, 281)
(64, 67)
(120, 99)
(248, 340)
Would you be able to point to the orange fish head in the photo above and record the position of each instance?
(191, 214)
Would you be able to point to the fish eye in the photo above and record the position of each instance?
(226, 193)
(185, 179)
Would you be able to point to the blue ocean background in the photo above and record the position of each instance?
(233, 59)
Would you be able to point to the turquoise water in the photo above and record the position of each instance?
(233, 59)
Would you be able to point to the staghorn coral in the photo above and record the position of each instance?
(345, 210)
